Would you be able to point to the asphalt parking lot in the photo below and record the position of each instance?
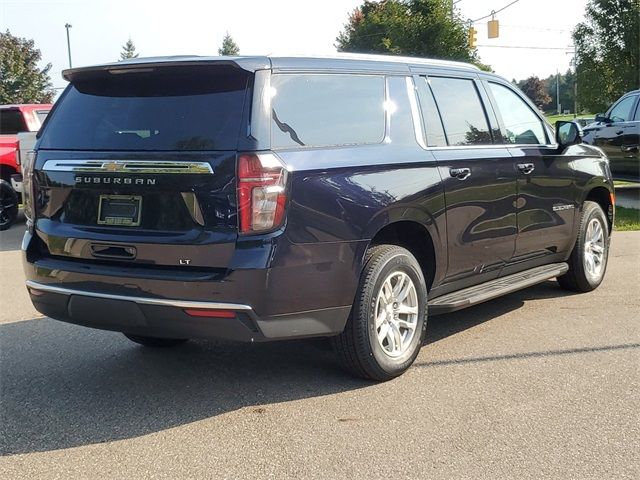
(538, 384)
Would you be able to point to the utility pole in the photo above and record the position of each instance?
(575, 83)
(68, 26)
(558, 92)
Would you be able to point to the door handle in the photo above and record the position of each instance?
(619, 132)
(460, 173)
(526, 168)
(629, 148)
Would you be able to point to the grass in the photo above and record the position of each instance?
(554, 118)
(627, 219)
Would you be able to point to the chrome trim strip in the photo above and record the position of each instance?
(127, 166)
(141, 300)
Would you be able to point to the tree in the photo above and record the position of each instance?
(128, 51)
(21, 81)
(229, 47)
(608, 52)
(425, 28)
(536, 90)
(566, 81)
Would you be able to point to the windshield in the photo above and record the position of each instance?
(166, 108)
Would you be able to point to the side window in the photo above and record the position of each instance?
(522, 125)
(12, 122)
(463, 116)
(324, 110)
(621, 112)
(431, 117)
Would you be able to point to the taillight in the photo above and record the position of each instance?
(262, 192)
(28, 187)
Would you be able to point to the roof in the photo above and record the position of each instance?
(340, 61)
(26, 106)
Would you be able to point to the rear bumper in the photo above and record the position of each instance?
(161, 317)
(300, 298)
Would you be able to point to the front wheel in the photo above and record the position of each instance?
(386, 327)
(588, 260)
(8, 205)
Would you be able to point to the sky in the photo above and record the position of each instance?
(101, 27)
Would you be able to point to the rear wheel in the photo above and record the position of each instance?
(386, 327)
(588, 260)
(8, 205)
(155, 342)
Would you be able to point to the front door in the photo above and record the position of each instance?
(546, 192)
(619, 137)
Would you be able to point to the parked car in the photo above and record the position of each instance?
(14, 120)
(267, 198)
(617, 132)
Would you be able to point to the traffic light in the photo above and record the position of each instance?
(493, 28)
(473, 40)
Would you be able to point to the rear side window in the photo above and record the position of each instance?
(326, 110)
(12, 122)
(463, 116)
(521, 124)
(165, 108)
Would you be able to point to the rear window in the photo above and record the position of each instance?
(12, 122)
(166, 108)
(42, 115)
(326, 110)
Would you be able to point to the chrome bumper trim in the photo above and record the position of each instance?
(141, 300)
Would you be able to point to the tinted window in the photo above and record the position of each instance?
(326, 110)
(432, 122)
(42, 114)
(168, 108)
(461, 110)
(520, 123)
(11, 122)
(621, 112)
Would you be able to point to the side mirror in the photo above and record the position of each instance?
(567, 134)
(602, 118)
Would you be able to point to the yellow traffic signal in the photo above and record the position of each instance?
(493, 28)
(473, 40)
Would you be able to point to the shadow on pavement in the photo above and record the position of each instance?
(11, 239)
(64, 386)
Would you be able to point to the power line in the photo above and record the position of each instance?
(567, 49)
(493, 12)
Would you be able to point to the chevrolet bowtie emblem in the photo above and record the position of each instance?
(112, 167)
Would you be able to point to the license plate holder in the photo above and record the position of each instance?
(120, 210)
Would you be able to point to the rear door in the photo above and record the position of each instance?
(478, 176)
(133, 163)
(545, 181)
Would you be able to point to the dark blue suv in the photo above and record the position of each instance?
(265, 198)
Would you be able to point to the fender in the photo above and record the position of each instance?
(434, 221)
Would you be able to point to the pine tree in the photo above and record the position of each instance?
(229, 47)
(128, 51)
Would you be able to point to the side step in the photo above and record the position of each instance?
(495, 288)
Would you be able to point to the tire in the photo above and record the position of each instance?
(358, 348)
(588, 260)
(8, 205)
(155, 342)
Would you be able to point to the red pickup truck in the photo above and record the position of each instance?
(15, 119)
